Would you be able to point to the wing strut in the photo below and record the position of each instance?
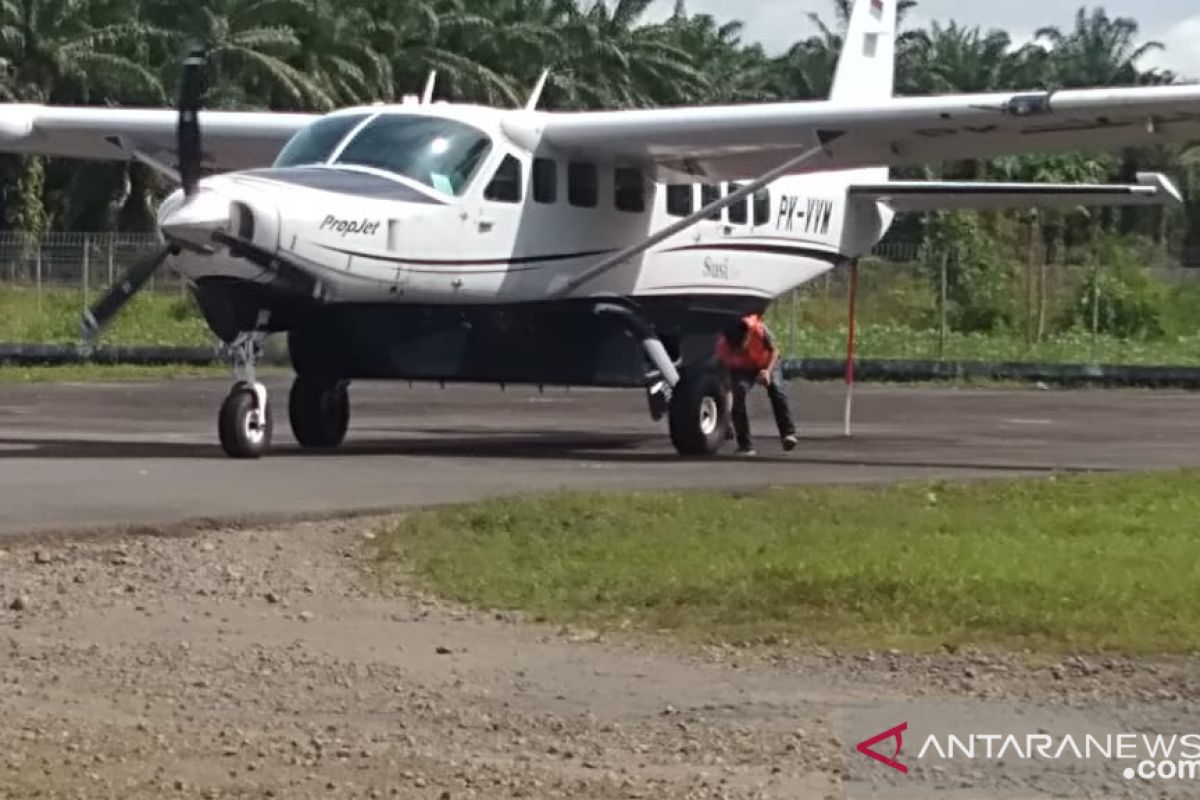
(564, 285)
(168, 172)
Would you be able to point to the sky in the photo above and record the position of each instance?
(1175, 23)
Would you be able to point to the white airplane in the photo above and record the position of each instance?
(445, 242)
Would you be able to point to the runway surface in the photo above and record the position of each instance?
(107, 455)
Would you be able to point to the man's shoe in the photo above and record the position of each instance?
(789, 443)
(746, 452)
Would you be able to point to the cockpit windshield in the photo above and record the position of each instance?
(438, 152)
(316, 143)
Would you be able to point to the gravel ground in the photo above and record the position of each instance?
(264, 663)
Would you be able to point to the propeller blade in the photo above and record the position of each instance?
(100, 314)
(191, 87)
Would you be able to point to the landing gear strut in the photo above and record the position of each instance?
(244, 424)
(692, 400)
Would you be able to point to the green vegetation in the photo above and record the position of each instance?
(1137, 318)
(891, 327)
(53, 315)
(1104, 563)
(99, 373)
(316, 55)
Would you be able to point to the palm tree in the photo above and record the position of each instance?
(607, 59)
(66, 51)
(442, 35)
(336, 51)
(251, 50)
(1099, 51)
(733, 72)
(806, 71)
(954, 58)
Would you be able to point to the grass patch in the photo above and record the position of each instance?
(150, 318)
(168, 319)
(1105, 563)
(99, 373)
(889, 341)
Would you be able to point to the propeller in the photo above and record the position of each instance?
(99, 315)
(191, 87)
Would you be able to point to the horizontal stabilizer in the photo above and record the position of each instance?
(1152, 188)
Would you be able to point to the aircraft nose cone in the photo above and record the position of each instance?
(194, 219)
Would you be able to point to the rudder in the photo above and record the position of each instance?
(866, 70)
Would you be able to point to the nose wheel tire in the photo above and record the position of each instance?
(698, 416)
(244, 428)
(319, 411)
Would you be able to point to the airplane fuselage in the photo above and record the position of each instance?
(384, 267)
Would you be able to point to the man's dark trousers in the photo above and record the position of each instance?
(742, 381)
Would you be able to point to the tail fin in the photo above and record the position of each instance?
(866, 70)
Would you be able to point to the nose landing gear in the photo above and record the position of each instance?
(244, 424)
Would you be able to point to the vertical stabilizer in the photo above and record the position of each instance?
(866, 73)
(866, 70)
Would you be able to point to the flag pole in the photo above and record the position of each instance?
(851, 346)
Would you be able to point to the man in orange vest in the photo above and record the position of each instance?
(747, 351)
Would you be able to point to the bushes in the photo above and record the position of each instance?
(989, 291)
(981, 287)
(1130, 301)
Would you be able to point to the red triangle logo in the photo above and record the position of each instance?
(896, 733)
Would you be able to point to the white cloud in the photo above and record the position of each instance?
(1182, 52)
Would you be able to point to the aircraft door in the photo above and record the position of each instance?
(493, 221)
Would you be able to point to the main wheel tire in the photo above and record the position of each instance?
(698, 415)
(319, 411)
(244, 432)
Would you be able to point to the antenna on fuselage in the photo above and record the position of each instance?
(430, 84)
(536, 96)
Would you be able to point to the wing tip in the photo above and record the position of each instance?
(1163, 185)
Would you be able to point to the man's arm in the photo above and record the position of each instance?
(764, 377)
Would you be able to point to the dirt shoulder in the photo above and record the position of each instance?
(262, 663)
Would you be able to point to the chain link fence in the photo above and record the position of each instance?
(84, 262)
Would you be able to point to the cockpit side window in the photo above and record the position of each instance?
(315, 143)
(441, 153)
(505, 186)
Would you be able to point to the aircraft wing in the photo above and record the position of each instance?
(907, 196)
(232, 140)
(744, 141)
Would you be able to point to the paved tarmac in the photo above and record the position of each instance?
(78, 456)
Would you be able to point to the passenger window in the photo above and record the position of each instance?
(710, 193)
(762, 207)
(545, 180)
(681, 199)
(630, 190)
(738, 212)
(582, 184)
(506, 183)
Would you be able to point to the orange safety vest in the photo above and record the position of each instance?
(754, 356)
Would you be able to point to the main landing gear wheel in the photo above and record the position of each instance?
(319, 411)
(245, 425)
(698, 415)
